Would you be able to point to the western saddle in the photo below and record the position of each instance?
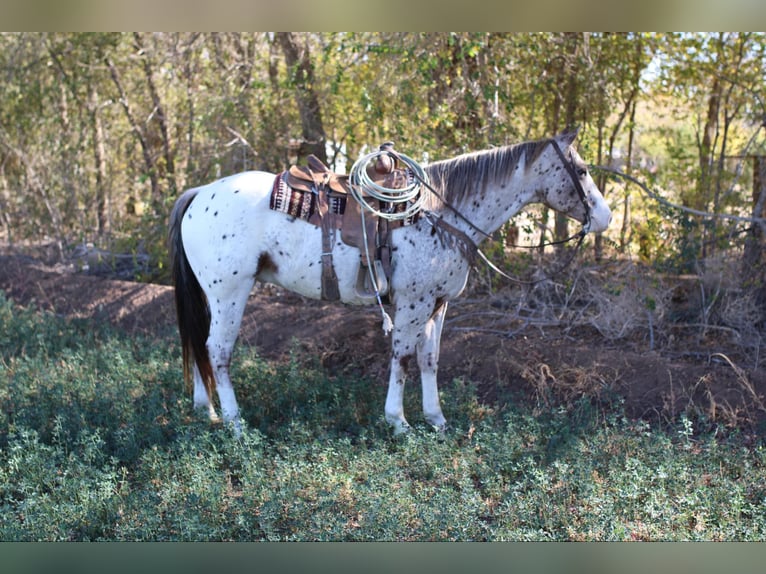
(330, 187)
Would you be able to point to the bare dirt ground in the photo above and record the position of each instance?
(546, 365)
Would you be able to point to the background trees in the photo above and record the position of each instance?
(100, 132)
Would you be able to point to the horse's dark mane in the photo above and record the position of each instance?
(462, 176)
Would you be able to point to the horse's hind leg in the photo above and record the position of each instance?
(225, 320)
(428, 362)
(201, 399)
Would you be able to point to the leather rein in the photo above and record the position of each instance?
(469, 248)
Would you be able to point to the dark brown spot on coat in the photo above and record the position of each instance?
(265, 263)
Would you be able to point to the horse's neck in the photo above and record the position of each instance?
(484, 212)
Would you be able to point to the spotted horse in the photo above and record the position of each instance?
(224, 236)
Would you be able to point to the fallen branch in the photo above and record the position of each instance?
(657, 197)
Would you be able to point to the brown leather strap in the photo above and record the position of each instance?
(383, 247)
(330, 290)
(453, 237)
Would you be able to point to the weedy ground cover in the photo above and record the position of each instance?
(98, 442)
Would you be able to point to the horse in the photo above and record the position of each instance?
(223, 237)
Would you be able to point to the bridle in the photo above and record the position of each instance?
(572, 171)
(472, 250)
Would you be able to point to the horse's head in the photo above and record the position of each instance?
(573, 191)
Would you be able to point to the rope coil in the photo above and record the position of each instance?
(362, 183)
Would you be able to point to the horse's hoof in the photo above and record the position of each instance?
(438, 423)
(401, 428)
(236, 427)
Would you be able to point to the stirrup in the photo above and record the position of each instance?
(364, 287)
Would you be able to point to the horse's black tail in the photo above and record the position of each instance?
(192, 309)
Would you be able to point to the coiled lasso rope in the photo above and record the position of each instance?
(361, 183)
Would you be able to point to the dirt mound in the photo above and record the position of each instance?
(547, 365)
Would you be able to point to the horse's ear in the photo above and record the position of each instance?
(568, 137)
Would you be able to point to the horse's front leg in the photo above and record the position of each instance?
(417, 332)
(428, 362)
(408, 321)
(395, 396)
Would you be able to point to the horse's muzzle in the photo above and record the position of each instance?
(600, 218)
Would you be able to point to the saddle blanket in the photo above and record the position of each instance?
(300, 204)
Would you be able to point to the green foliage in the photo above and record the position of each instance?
(96, 444)
(99, 132)
(680, 251)
(278, 397)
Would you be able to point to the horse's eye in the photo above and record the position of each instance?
(581, 172)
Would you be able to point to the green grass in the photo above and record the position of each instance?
(98, 442)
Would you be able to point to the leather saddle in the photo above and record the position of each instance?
(316, 175)
(329, 186)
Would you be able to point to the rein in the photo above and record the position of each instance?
(471, 250)
(569, 166)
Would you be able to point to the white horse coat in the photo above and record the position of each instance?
(224, 237)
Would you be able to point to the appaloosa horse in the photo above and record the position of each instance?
(224, 236)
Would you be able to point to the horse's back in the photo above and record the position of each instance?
(249, 184)
(220, 222)
(220, 201)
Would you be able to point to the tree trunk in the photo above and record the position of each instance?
(301, 73)
(730, 107)
(190, 65)
(146, 151)
(67, 157)
(710, 241)
(160, 114)
(5, 202)
(706, 146)
(626, 209)
(598, 243)
(753, 265)
(571, 73)
(103, 215)
(556, 71)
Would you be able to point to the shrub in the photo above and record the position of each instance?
(98, 444)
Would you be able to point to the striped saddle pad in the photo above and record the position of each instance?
(301, 204)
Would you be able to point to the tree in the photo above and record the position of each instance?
(753, 264)
(93, 127)
(717, 78)
(300, 69)
(617, 61)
